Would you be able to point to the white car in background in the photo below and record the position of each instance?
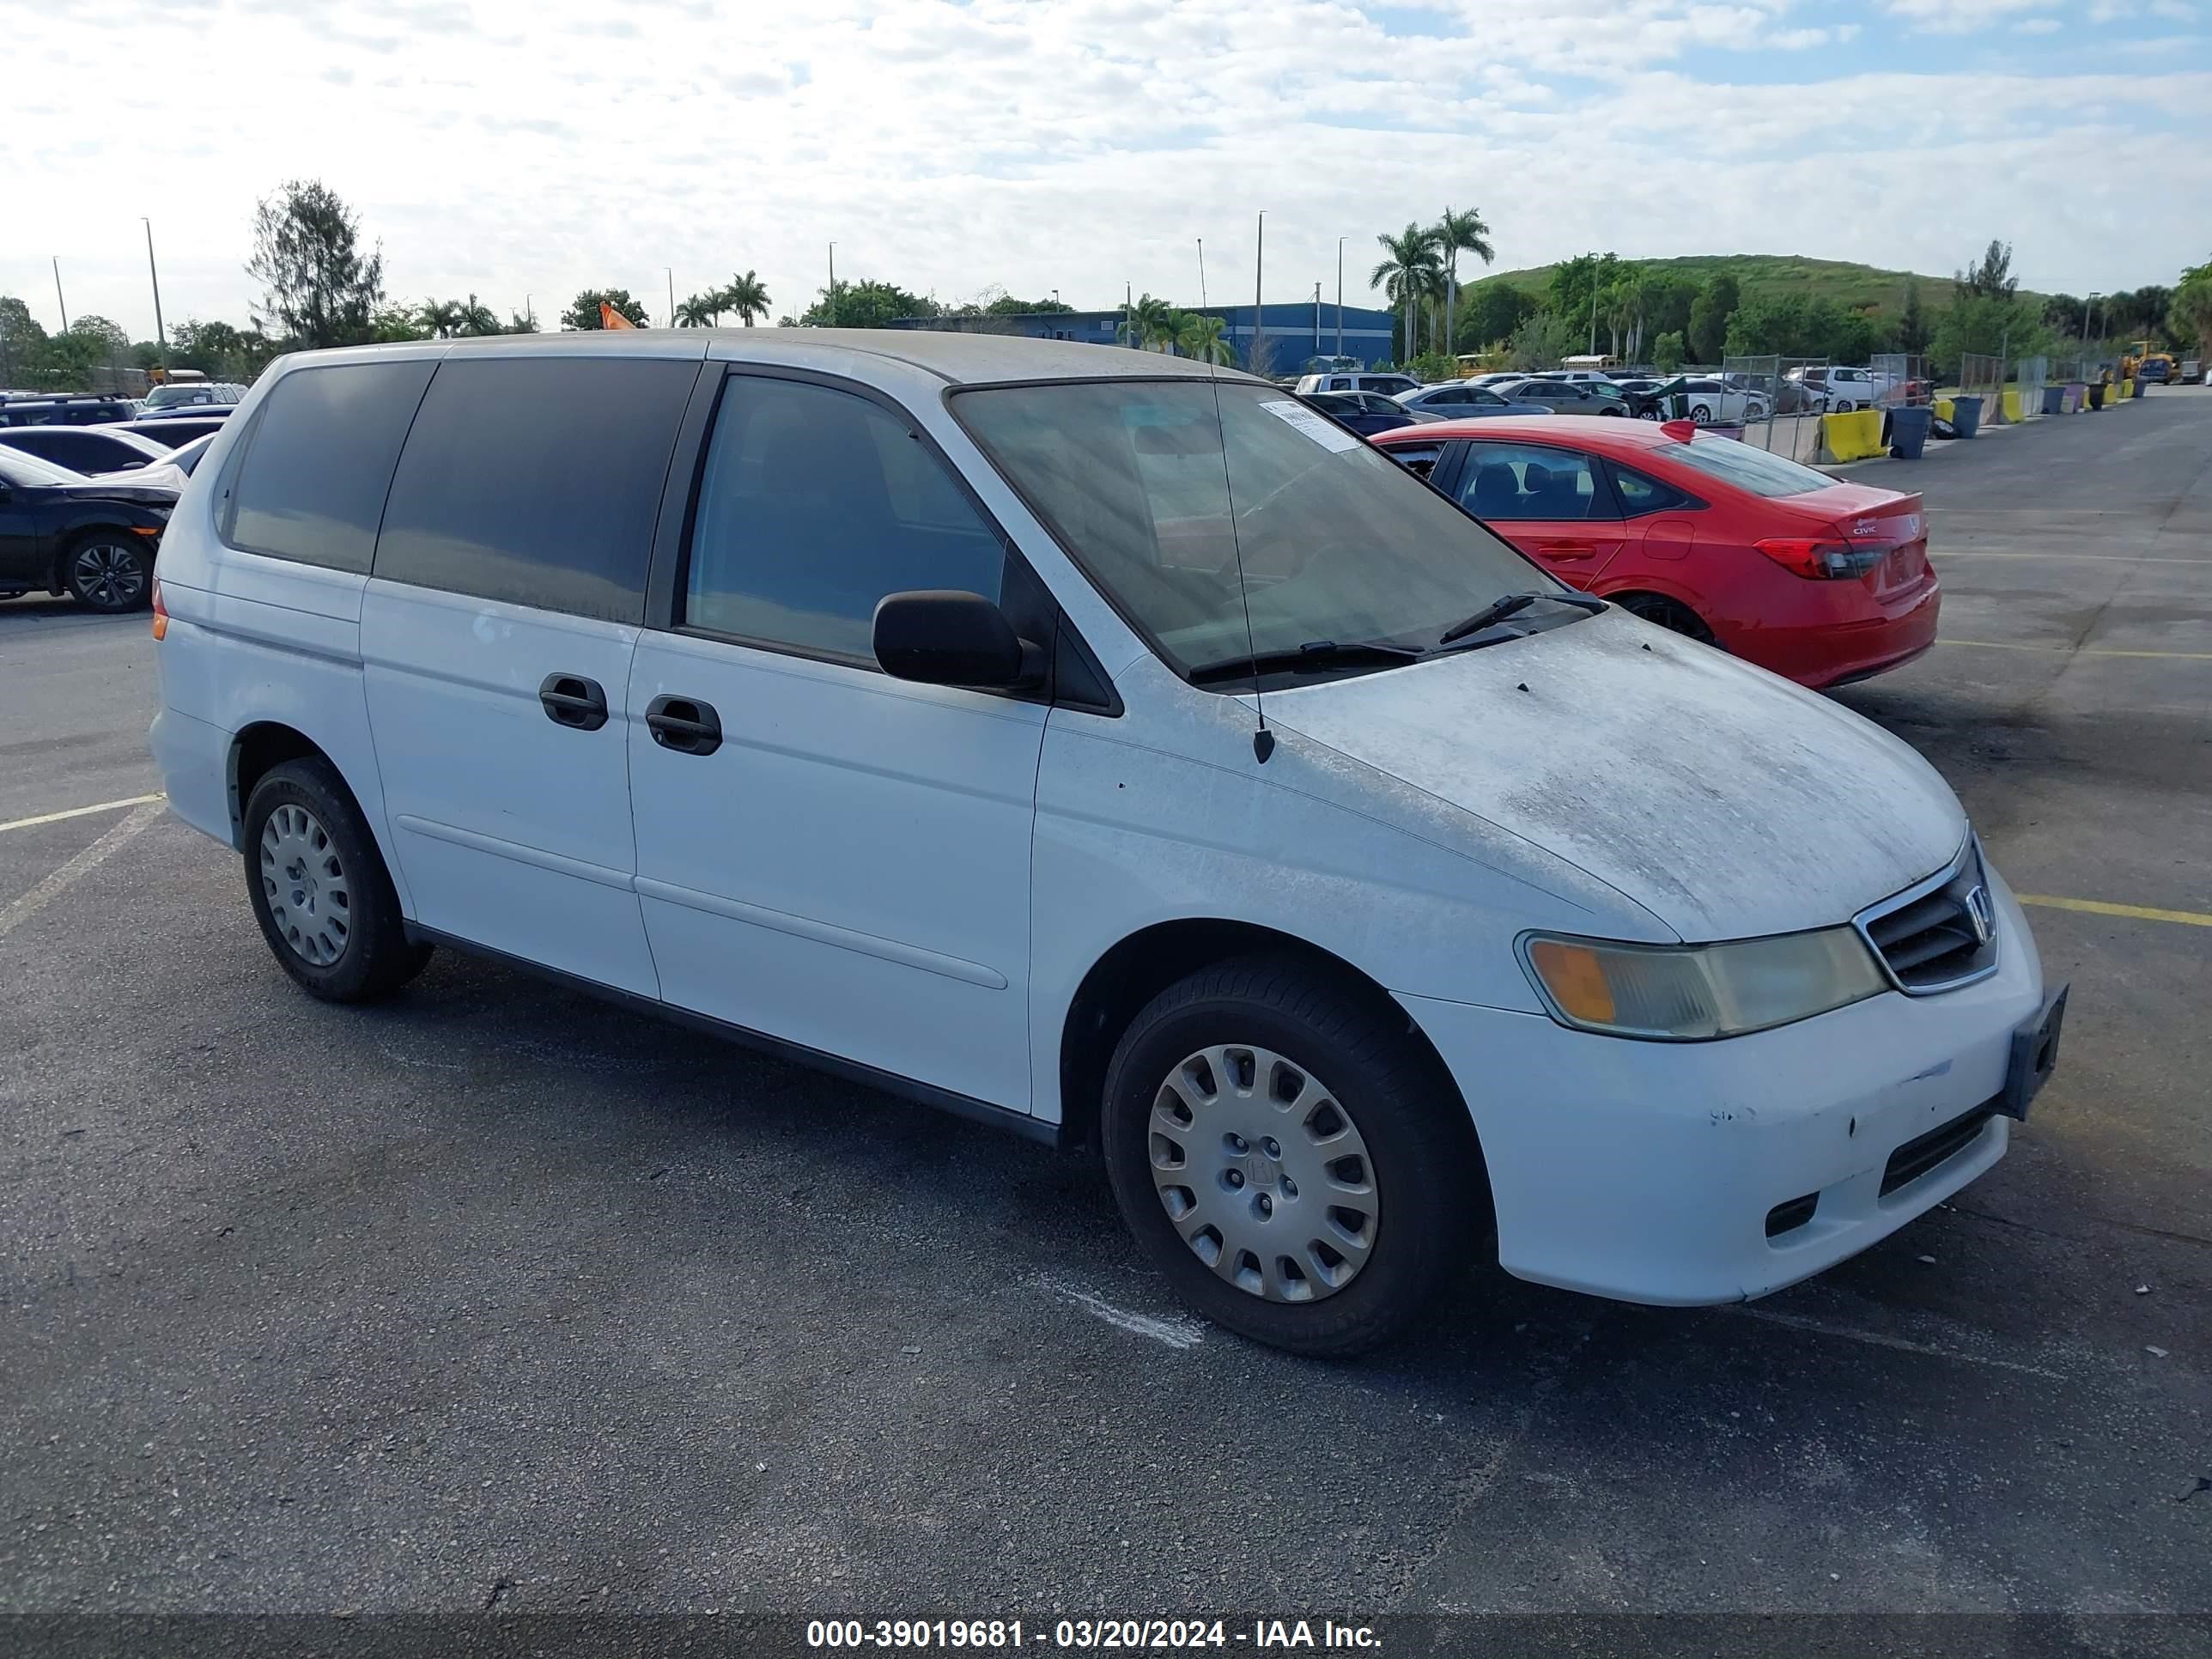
(1716, 403)
(1838, 390)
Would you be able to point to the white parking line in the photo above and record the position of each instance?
(1174, 1332)
(1881, 1339)
(78, 867)
(79, 813)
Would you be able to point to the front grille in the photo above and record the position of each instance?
(1939, 933)
(1923, 1152)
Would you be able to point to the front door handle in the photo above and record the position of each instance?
(684, 724)
(572, 700)
(1569, 550)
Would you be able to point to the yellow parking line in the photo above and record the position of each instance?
(2063, 650)
(2099, 908)
(79, 813)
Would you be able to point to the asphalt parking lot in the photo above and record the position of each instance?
(494, 1296)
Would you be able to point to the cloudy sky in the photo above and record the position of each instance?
(1084, 145)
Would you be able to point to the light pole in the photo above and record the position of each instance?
(1317, 320)
(58, 301)
(1259, 270)
(833, 284)
(2093, 297)
(529, 311)
(1340, 294)
(671, 269)
(160, 334)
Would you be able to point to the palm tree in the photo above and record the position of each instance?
(1461, 233)
(1145, 323)
(700, 311)
(747, 295)
(1408, 275)
(443, 317)
(476, 318)
(1200, 334)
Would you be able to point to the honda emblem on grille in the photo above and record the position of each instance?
(1979, 912)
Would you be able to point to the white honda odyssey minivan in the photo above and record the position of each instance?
(1107, 748)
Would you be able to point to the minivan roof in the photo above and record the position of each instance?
(958, 359)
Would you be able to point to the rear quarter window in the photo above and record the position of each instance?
(318, 460)
(537, 481)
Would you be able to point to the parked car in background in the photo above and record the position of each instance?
(186, 394)
(1364, 412)
(2192, 371)
(91, 450)
(178, 427)
(169, 470)
(1577, 376)
(896, 713)
(1564, 396)
(1458, 400)
(1838, 390)
(92, 538)
(1821, 580)
(1388, 382)
(1716, 403)
(64, 410)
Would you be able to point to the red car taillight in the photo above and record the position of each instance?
(1820, 559)
(161, 612)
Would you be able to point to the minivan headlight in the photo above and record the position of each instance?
(1692, 993)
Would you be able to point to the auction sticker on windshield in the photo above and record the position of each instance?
(1304, 420)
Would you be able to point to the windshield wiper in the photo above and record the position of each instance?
(1314, 655)
(1510, 604)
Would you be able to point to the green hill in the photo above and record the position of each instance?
(1854, 287)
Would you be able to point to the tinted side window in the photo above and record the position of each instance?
(815, 504)
(536, 481)
(317, 465)
(1639, 495)
(1506, 481)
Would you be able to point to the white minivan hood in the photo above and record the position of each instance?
(1726, 801)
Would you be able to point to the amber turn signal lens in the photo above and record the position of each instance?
(1575, 978)
(161, 612)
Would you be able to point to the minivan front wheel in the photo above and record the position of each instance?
(107, 571)
(1289, 1158)
(320, 888)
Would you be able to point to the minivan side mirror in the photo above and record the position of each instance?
(940, 637)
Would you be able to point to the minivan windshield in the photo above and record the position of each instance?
(1338, 544)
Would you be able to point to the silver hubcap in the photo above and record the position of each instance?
(1263, 1174)
(308, 896)
(108, 573)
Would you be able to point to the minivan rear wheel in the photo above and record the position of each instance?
(1289, 1158)
(320, 888)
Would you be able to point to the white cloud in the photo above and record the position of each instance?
(1960, 16)
(506, 149)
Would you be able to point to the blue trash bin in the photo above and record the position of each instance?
(2054, 400)
(1908, 432)
(1966, 416)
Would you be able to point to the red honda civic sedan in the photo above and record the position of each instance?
(1821, 580)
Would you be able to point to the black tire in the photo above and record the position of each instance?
(1432, 1196)
(110, 571)
(1670, 614)
(353, 952)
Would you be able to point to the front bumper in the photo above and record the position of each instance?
(1648, 1171)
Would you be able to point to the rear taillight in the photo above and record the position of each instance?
(1819, 559)
(161, 612)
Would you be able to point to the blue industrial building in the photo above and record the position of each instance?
(1289, 334)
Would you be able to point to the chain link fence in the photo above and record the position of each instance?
(1981, 376)
(2031, 375)
(1900, 380)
